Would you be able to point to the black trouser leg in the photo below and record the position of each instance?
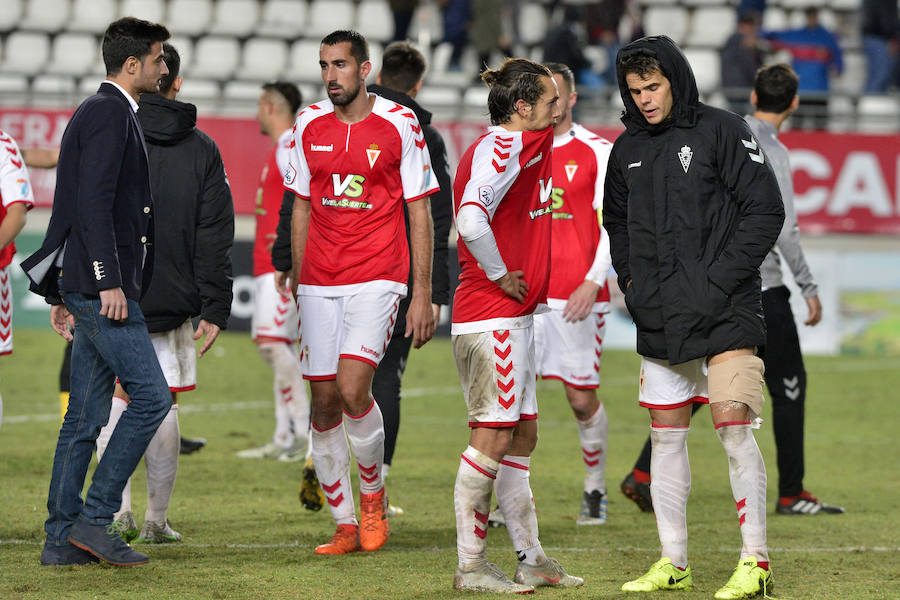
(643, 461)
(786, 380)
(386, 383)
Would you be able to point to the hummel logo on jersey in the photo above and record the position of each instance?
(571, 167)
(751, 146)
(350, 186)
(635, 164)
(317, 148)
(685, 157)
(535, 160)
(372, 153)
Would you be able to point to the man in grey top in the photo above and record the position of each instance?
(775, 97)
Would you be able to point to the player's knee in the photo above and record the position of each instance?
(738, 380)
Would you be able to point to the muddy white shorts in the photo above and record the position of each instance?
(672, 386)
(356, 326)
(496, 370)
(274, 316)
(177, 356)
(6, 308)
(569, 352)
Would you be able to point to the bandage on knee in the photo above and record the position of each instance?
(738, 379)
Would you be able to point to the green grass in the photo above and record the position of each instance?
(246, 536)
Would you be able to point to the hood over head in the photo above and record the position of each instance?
(166, 122)
(676, 69)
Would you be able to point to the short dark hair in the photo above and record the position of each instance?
(288, 91)
(641, 64)
(564, 72)
(129, 37)
(402, 66)
(173, 62)
(775, 86)
(516, 79)
(359, 47)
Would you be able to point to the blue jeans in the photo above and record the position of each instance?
(879, 64)
(103, 350)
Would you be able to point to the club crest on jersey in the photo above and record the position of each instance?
(685, 157)
(571, 167)
(372, 153)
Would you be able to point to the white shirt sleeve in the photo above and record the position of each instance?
(15, 185)
(602, 261)
(416, 174)
(296, 174)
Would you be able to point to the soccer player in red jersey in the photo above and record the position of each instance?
(16, 199)
(274, 324)
(502, 204)
(355, 159)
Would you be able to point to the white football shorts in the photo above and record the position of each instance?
(177, 356)
(497, 374)
(569, 352)
(357, 326)
(6, 309)
(274, 316)
(672, 386)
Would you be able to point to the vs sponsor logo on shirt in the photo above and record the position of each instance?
(350, 187)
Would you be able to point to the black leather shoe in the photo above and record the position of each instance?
(67, 554)
(190, 445)
(104, 542)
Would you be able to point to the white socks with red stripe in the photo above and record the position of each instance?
(161, 457)
(670, 486)
(517, 504)
(118, 406)
(593, 435)
(748, 485)
(331, 455)
(291, 400)
(366, 435)
(472, 500)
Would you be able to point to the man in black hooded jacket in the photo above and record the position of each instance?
(692, 207)
(193, 234)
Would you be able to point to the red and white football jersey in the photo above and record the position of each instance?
(268, 202)
(357, 176)
(579, 170)
(15, 186)
(508, 175)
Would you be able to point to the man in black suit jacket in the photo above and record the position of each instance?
(92, 267)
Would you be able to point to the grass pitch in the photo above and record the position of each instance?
(246, 536)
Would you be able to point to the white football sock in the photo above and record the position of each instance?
(282, 385)
(331, 455)
(593, 435)
(118, 406)
(472, 501)
(366, 435)
(161, 457)
(670, 487)
(516, 502)
(748, 485)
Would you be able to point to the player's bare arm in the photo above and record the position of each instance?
(210, 330)
(420, 316)
(12, 223)
(62, 321)
(579, 304)
(815, 311)
(113, 304)
(299, 233)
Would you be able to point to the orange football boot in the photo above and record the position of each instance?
(345, 541)
(374, 530)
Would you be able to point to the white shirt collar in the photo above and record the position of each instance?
(134, 105)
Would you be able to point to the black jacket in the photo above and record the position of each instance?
(102, 206)
(194, 218)
(441, 203)
(692, 207)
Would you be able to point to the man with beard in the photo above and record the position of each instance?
(355, 159)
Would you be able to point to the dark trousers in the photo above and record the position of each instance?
(386, 383)
(786, 380)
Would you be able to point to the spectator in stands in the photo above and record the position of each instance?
(488, 33)
(403, 12)
(602, 20)
(742, 56)
(456, 14)
(816, 55)
(880, 38)
(757, 6)
(566, 42)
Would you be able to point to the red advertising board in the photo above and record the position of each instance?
(844, 183)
